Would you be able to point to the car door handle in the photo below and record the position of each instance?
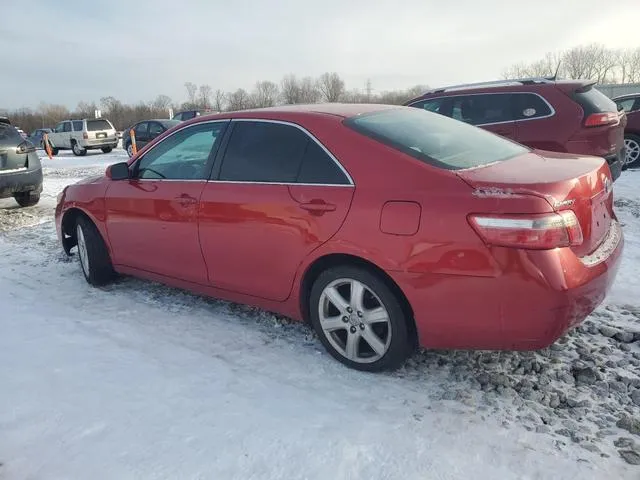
(318, 207)
(185, 200)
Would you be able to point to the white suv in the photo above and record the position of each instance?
(82, 135)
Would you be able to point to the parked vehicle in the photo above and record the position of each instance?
(560, 116)
(631, 105)
(82, 135)
(22, 133)
(20, 169)
(385, 227)
(37, 136)
(146, 131)
(189, 114)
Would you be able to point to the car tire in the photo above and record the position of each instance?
(129, 150)
(106, 149)
(93, 254)
(368, 331)
(78, 151)
(27, 199)
(632, 144)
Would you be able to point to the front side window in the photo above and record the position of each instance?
(431, 105)
(59, 127)
(66, 127)
(141, 129)
(183, 155)
(627, 104)
(435, 139)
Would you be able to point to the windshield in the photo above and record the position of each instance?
(435, 139)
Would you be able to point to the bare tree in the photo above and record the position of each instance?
(290, 88)
(204, 96)
(309, 91)
(219, 100)
(238, 100)
(161, 102)
(265, 94)
(192, 90)
(331, 86)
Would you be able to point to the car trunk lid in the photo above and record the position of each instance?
(12, 160)
(581, 184)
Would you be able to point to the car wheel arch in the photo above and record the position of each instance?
(324, 262)
(68, 224)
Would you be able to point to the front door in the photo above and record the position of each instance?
(276, 196)
(152, 219)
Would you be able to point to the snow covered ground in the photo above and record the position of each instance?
(137, 380)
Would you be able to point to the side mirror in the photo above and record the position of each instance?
(118, 171)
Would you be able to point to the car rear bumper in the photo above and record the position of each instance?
(110, 143)
(20, 181)
(538, 297)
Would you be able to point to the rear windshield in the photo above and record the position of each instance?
(8, 132)
(93, 125)
(594, 101)
(435, 139)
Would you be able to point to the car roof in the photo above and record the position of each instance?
(5, 120)
(342, 110)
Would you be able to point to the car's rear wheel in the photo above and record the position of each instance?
(93, 253)
(78, 150)
(359, 319)
(130, 150)
(27, 199)
(632, 146)
(106, 149)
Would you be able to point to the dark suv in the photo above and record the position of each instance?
(631, 105)
(557, 115)
(20, 169)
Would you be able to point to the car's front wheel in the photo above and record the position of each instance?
(27, 199)
(130, 150)
(106, 149)
(632, 147)
(359, 319)
(93, 253)
(78, 150)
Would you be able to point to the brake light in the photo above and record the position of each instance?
(600, 119)
(85, 135)
(537, 232)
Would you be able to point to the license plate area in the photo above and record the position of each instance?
(101, 135)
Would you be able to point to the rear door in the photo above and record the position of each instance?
(535, 119)
(141, 131)
(277, 195)
(67, 133)
(152, 219)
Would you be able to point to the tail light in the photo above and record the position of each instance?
(537, 232)
(85, 135)
(25, 147)
(600, 119)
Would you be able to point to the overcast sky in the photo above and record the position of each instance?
(72, 50)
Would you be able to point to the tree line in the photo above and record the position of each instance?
(593, 61)
(328, 87)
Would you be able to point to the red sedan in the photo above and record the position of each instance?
(384, 227)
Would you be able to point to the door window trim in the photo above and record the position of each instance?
(208, 165)
(553, 110)
(304, 131)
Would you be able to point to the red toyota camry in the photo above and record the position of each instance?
(384, 227)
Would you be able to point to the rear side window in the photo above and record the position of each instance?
(94, 125)
(482, 109)
(77, 125)
(431, 105)
(529, 105)
(435, 139)
(593, 101)
(318, 167)
(263, 152)
(629, 104)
